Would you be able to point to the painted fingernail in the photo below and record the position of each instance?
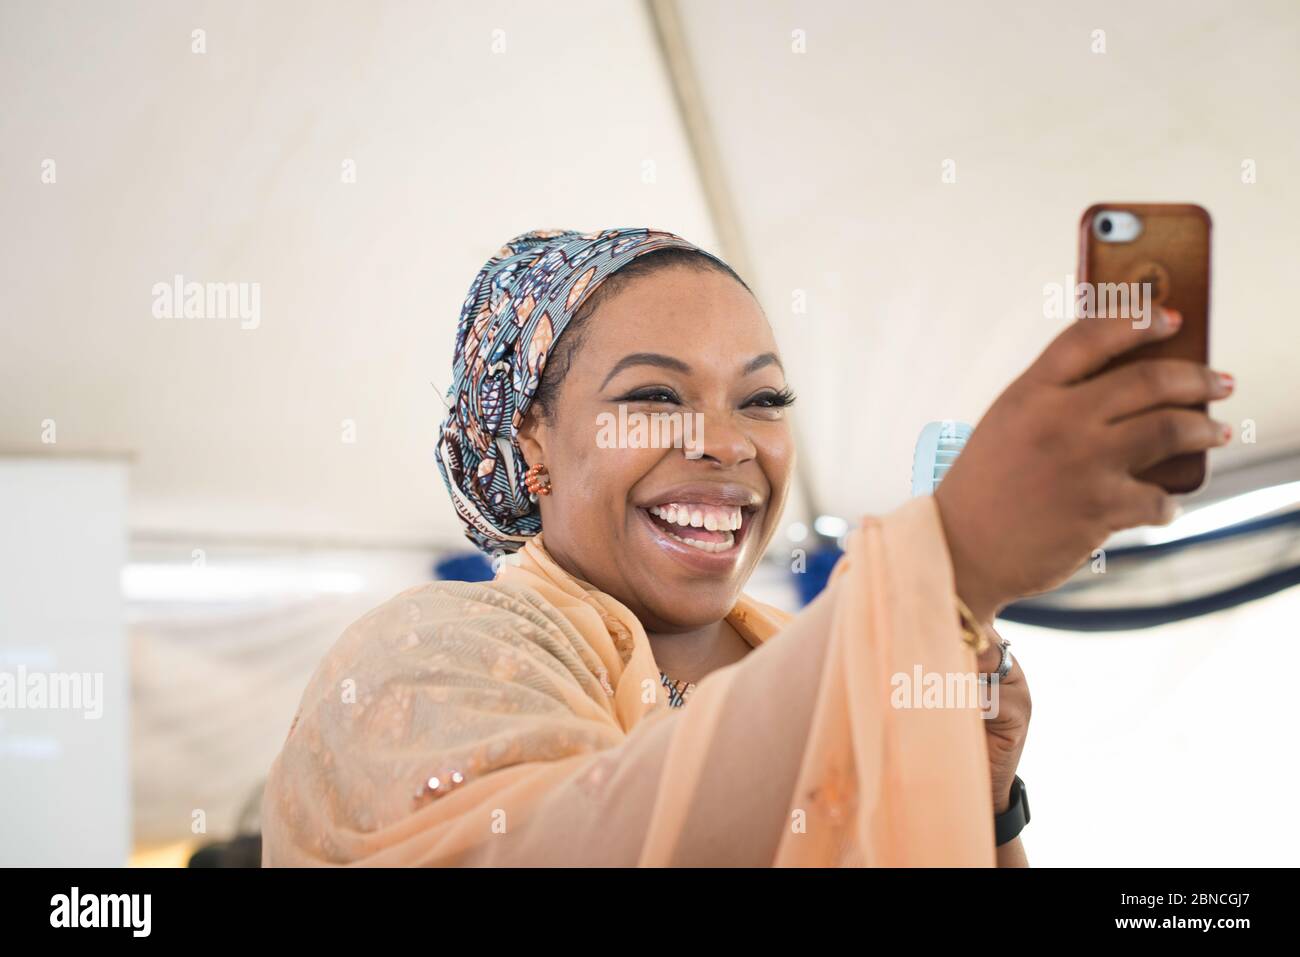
(1226, 383)
(1227, 433)
(1173, 319)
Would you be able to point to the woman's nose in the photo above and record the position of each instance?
(720, 440)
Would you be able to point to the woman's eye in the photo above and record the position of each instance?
(772, 400)
(651, 395)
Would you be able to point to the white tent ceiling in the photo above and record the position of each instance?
(471, 123)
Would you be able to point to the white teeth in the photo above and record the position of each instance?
(712, 518)
(722, 546)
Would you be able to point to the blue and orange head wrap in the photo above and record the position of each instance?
(517, 307)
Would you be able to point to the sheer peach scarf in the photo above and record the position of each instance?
(522, 722)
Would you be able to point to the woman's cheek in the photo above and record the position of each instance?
(776, 454)
(602, 479)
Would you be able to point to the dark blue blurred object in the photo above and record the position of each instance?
(472, 567)
(817, 573)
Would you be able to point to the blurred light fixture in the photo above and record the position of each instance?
(832, 526)
(1229, 512)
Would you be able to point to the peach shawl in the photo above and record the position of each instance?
(534, 703)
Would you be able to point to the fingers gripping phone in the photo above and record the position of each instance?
(1160, 252)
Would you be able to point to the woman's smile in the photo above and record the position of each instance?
(703, 526)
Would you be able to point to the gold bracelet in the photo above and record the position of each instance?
(972, 632)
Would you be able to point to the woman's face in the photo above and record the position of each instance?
(680, 356)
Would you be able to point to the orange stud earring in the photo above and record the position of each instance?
(537, 481)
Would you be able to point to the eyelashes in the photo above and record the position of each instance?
(651, 394)
(776, 400)
(770, 399)
(654, 394)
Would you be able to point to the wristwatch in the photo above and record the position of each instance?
(1008, 825)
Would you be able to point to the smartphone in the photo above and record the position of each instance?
(1160, 253)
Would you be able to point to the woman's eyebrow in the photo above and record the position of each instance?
(646, 359)
(677, 365)
(758, 362)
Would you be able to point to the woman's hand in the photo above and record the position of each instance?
(1048, 474)
(1005, 733)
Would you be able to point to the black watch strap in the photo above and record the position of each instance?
(1008, 825)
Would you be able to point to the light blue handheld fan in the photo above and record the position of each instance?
(936, 450)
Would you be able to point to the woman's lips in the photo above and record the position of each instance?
(711, 551)
(706, 528)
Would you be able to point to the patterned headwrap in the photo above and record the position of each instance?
(518, 305)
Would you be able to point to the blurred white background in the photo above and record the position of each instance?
(359, 162)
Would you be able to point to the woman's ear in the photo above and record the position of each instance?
(532, 436)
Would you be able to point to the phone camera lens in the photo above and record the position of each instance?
(1105, 226)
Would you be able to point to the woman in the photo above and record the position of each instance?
(612, 697)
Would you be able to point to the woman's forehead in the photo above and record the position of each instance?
(680, 310)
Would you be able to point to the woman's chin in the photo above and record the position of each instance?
(677, 613)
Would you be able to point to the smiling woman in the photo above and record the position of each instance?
(548, 716)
